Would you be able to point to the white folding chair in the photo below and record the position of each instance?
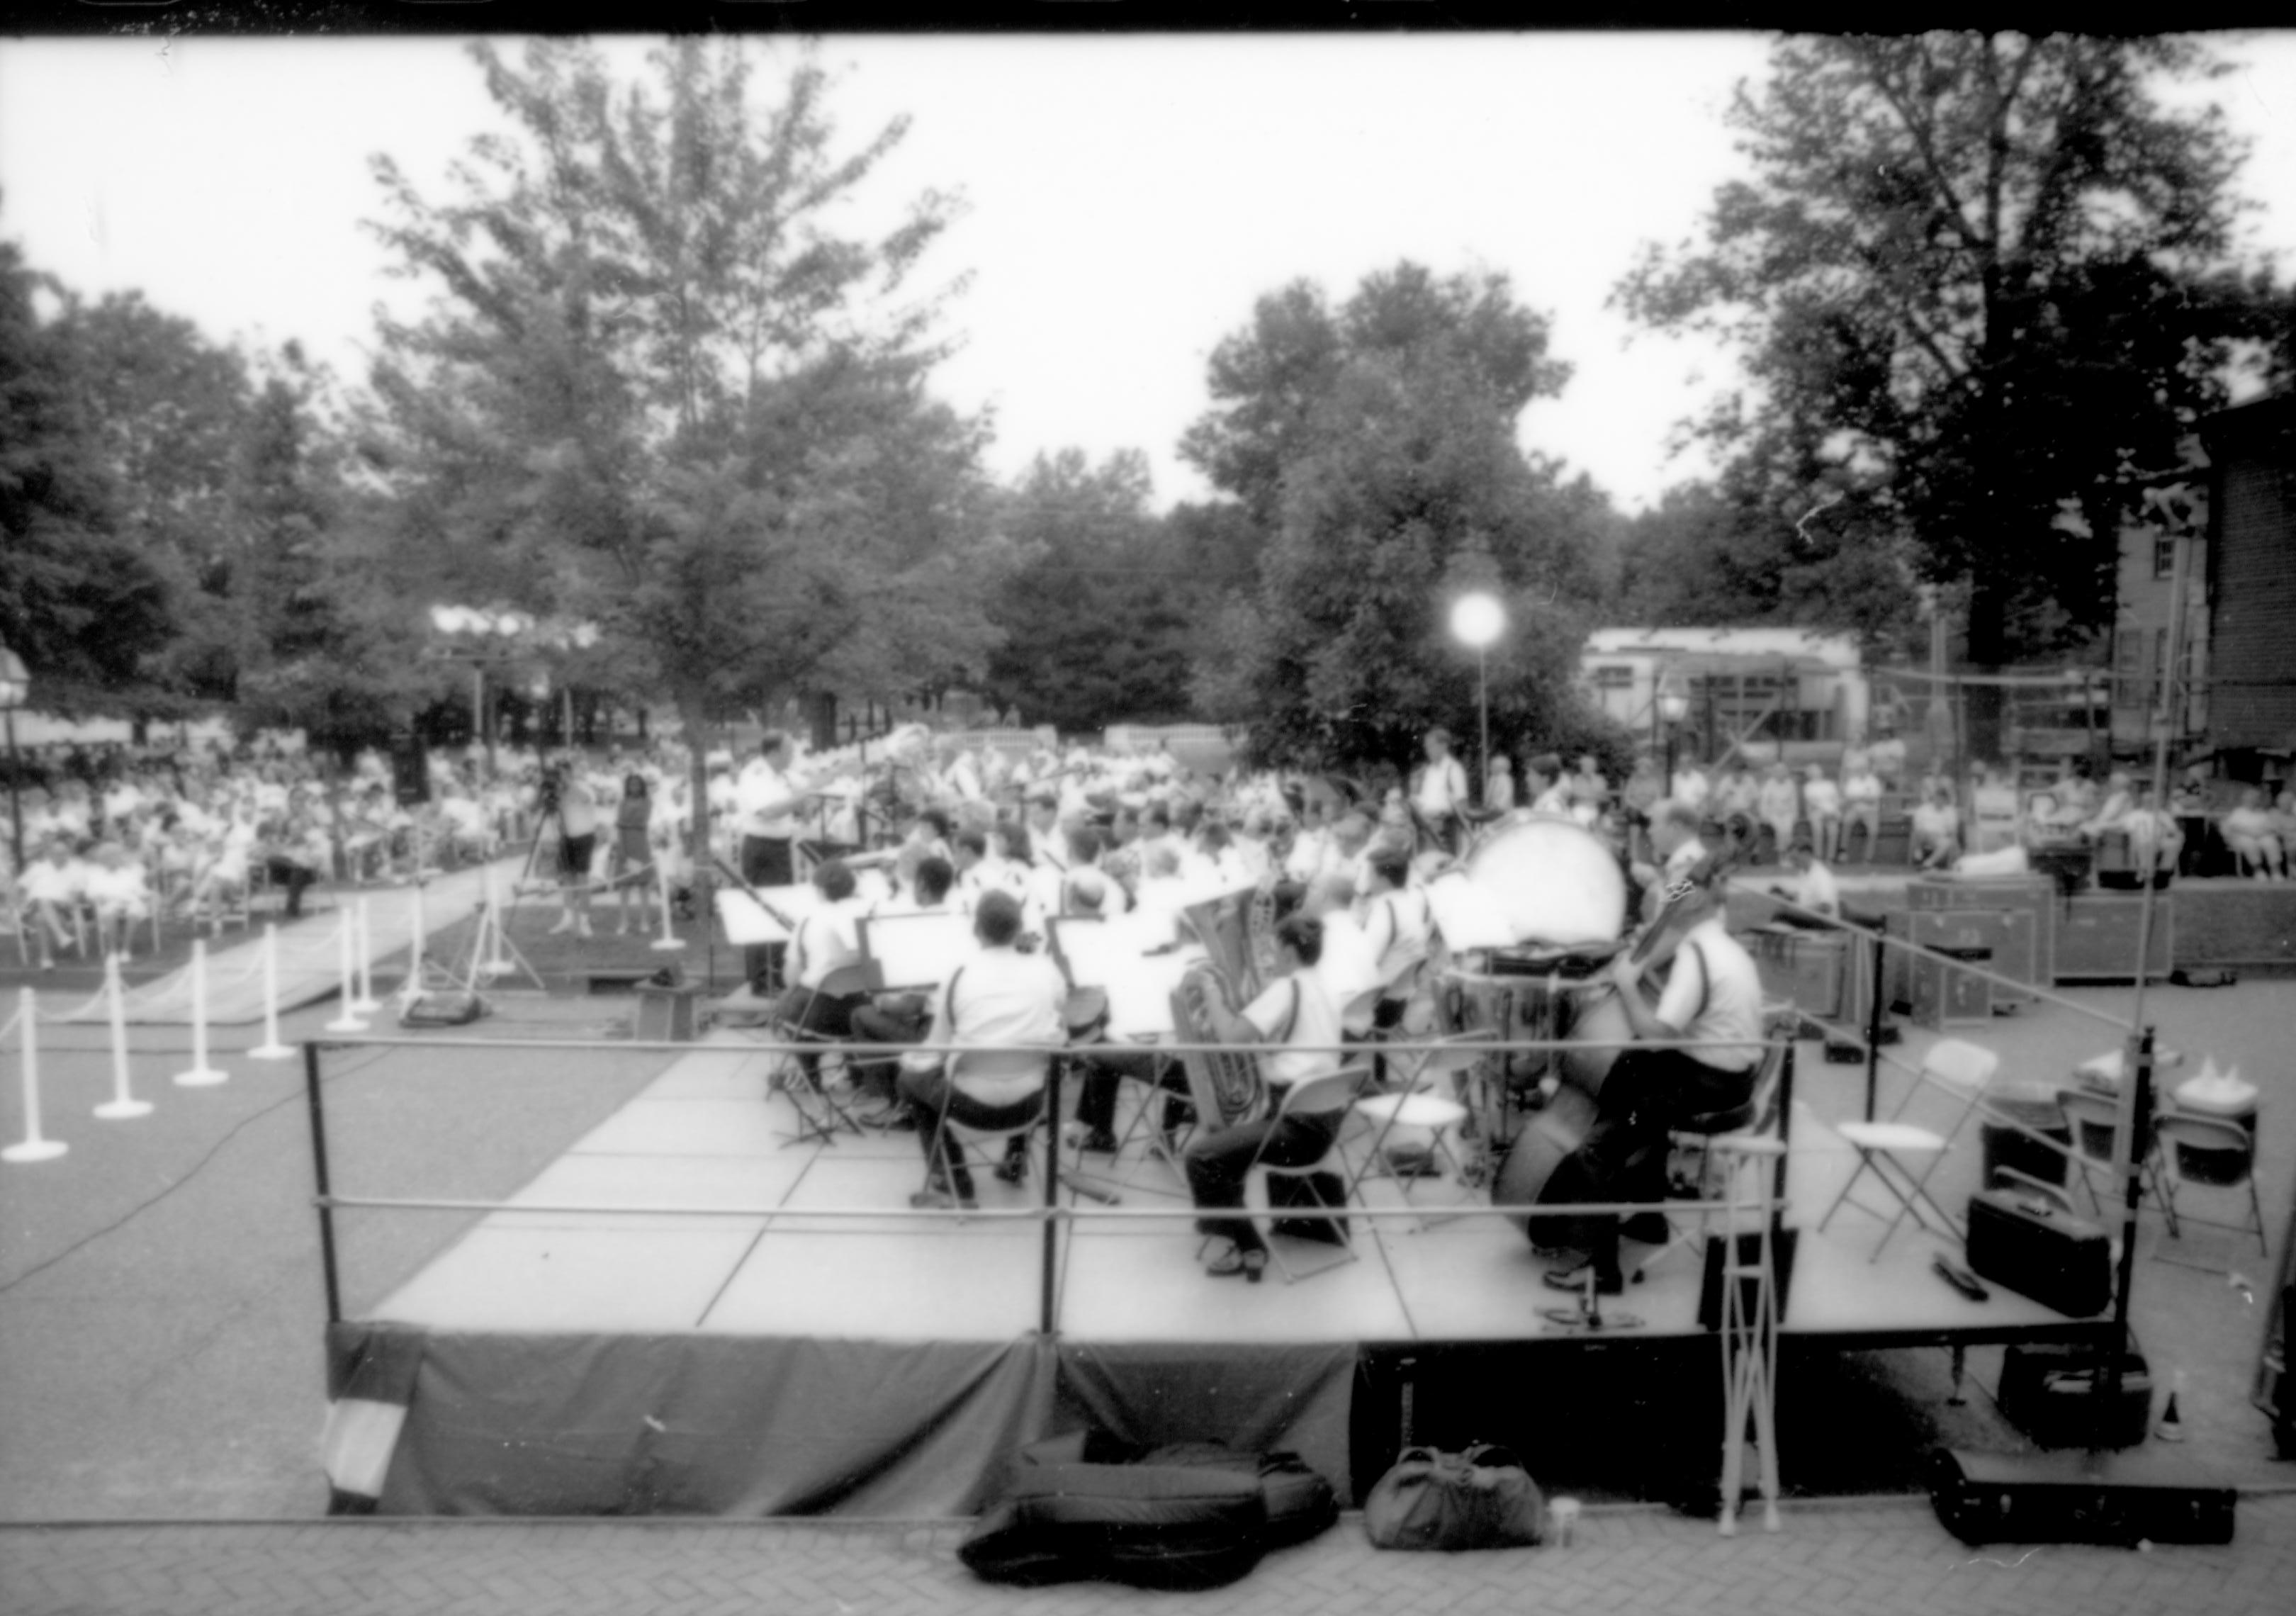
(1413, 1101)
(1888, 1149)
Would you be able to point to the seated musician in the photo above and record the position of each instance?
(1674, 843)
(1712, 1000)
(1105, 1066)
(1400, 926)
(1296, 1016)
(825, 943)
(900, 1018)
(997, 998)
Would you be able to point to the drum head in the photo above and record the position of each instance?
(1550, 882)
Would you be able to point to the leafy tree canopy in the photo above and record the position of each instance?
(1981, 283)
(663, 390)
(79, 601)
(1381, 439)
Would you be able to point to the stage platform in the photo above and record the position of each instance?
(788, 1360)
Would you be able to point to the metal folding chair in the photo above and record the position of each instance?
(2212, 1153)
(2094, 1119)
(1888, 1149)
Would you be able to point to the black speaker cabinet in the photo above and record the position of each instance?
(2075, 1497)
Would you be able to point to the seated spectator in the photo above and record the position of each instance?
(1937, 831)
(2252, 832)
(120, 896)
(52, 892)
(1821, 801)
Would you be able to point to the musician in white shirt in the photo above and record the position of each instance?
(1438, 795)
(765, 802)
(1712, 1001)
(900, 1018)
(1543, 781)
(1296, 1015)
(825, 944)
(997, 999)
(1400, 927)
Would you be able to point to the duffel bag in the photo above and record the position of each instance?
(1481, 1498)
(1153, 1526)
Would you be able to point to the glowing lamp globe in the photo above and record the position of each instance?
(1477, 620)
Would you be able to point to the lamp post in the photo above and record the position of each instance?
(1477, 620)
(15, 684)
(1672, 705)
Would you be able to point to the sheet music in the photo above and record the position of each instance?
(1108, 954)
(916, 951)
(746, 921)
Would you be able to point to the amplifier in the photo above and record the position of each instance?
(2034, 895)
(1803, 966)
(2248, 924)
(1943, 997)
(2097, 938)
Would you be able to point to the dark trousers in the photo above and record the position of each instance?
(1218, 1163)
(1105, 1071)
(766, 861)
(1623, 1156)
(822, 1015)
(933, 1099)
(906, 1022)
(293, 876)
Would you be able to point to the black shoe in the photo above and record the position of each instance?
(1099, 1142)
(1573, 1280)
(1013, 1169)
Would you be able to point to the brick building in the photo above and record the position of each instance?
(2250, 576)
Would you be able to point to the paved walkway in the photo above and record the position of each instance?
(1858, 1559)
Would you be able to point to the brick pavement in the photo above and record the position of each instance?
(1862, 1558)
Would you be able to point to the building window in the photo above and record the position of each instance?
(1612, 675)
(2164, 555)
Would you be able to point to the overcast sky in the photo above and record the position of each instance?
(1129, 198)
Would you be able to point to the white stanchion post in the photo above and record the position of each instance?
(410, 989)
(123, 1104)
(34, 1146)
(667, 943)
(348, 1020)
(271, 1048)
(490, 942)
(366, 1004)
(202, 1075)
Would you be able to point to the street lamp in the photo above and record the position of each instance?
(1477, 620)
(15, 684)
(1672, 703)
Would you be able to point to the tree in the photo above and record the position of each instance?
(1098, 616)
(1982, 283)
(663, 393)
(1727, 556)
(1390, 462)
(79, 601)
(167, 411)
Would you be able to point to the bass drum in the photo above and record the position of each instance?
(1548, 882)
